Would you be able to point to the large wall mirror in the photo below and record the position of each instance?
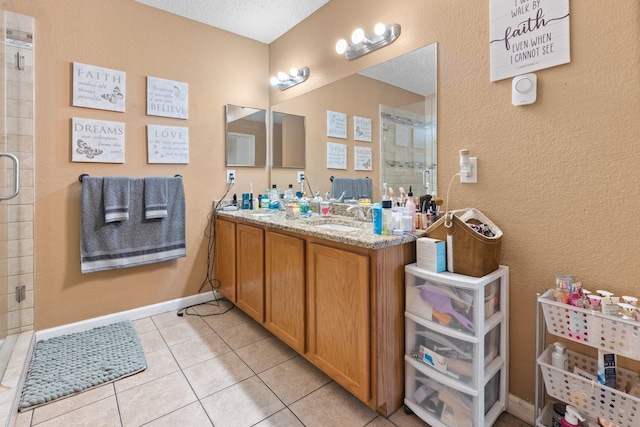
(399, 96)
(287, 140)
(246, 143)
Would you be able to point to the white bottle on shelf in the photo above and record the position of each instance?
(559, 357)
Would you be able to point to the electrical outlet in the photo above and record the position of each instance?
(473, 179)
(300, 176)
(231, 176)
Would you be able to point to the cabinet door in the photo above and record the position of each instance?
(285, 289)
(225, 258)
(250, 270)
(339, 333)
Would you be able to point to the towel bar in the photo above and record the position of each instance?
(81, 177)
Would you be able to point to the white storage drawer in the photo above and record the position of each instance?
(452, 300)
(442, 404)
(447, 355)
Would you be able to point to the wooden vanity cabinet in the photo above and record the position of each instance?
(250, 270)
(339, 316)
(340, 306)
(285, 289)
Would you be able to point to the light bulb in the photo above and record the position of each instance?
(357, 36)
(274, 81)
(380, 29)
(293, 72)
(341, 46)
(282, 76)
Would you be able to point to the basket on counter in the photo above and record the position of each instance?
(608, 333)
(589, 396)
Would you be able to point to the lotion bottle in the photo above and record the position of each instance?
(571, 417)
(559, 357)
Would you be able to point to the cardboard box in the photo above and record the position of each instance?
(431, 254)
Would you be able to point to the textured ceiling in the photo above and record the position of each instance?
(261, 20)
(414, 71)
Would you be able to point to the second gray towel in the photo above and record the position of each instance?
(155, 197)
(115, 194)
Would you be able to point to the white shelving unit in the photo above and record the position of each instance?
(463, 323)
(594, 329)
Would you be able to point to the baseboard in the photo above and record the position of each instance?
(521, 409)
(134, 314)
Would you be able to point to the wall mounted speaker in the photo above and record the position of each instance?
(524, 89)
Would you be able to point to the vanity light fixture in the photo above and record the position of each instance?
(296, 76)
(362, 44)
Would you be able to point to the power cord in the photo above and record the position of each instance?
(209, 279)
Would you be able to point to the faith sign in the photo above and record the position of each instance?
(528, 35)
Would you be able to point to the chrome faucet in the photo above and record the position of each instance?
(361, 213)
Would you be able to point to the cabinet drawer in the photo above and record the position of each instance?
(452, 300)
(443, 404)
(450, 357)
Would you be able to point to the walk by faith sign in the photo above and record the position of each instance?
(528, 35)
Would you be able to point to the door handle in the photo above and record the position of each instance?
(16, 176)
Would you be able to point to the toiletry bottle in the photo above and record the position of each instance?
(571, 417)
(410, 206)
(264, 200)
(559, 357)
(274, 198)
(288, 194)
(387, 227)
(376, 213)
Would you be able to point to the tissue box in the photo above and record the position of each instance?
(430, 254)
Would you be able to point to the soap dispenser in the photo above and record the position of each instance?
(410, 207)
(571, 417)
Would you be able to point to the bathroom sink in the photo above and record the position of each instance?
(261, 215)
(338, 227)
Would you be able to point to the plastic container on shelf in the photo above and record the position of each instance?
(586, 394)
(605, 332)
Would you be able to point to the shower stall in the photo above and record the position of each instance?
(16, 204)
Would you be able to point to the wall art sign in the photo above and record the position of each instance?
(97, 87)
(336, 125)
(362, 156)
(97, 141)
(528, 35)
(336, 156)
(167, 144)
(361, 129)
(167, 98)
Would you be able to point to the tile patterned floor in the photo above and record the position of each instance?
(221, 370)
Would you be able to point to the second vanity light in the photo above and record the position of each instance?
(296, 76)
(382, 35)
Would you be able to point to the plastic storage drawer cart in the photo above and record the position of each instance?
(456, 350)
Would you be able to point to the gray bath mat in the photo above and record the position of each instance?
(66, 365)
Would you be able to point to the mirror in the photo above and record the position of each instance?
(399, 97)
(246, 143)
(287, 140)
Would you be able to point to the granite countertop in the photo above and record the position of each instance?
(363, 236)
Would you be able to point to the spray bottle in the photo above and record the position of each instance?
(571, 417)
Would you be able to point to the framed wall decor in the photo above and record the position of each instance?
(99, 88)
(167, 144)
(97, 141)
(528, 35)
(361, 129)
(336, 156)
(167, 98)
(336, 125)
(362, 158)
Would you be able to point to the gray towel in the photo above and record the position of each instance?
(115, 191)
(106, 246)
(155, 197)
(343, 185)
(364, 188)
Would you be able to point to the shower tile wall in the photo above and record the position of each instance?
(16, 215)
